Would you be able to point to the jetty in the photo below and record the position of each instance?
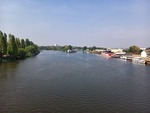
(147, 60)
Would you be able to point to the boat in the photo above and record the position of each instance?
(108, 54)
(129, 58)
(71, 51)
(138, 60)
(116, 56)
(123, 57)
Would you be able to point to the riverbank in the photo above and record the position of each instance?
(128, 57)
(12, 48)
(8, 58)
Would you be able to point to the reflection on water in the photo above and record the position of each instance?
(7, 69)
(56, 82)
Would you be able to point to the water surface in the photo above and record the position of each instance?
(56, 82)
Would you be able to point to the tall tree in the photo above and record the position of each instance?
(84, 48)
(5, 43)
(27, 42)
(134, 49)
(70, 47)
(18, 43)
(12, 47)
(22, 43)
(1, 49)
(1, 36)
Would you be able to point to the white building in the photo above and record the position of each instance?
(115, 50)
(100, 50)
(143, 54)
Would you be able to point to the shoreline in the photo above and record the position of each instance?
(146, 59)
(6, 58)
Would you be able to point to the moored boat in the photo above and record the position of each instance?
(138, 60)
(107, 54)
(123, 57)
(71, 51)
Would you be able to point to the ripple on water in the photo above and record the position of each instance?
(56, 82)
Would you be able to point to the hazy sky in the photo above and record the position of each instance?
(103, 23)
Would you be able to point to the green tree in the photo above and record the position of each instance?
(94, 47)
(18, 49)
(70, 47)
(12, 47)
(1, 49)
(18, 43)
(21, 53)
(1, 35)
(22, 43)
(134, 49)
(65, 48)
(31, 43)
(32, 50)
(3, 43)
(85, 47)
(27, 42)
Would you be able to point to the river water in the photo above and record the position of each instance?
(56, 82)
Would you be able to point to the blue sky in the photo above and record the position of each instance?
(103, 23)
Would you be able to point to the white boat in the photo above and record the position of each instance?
(123, 57)
(71, 51)
(138, 60)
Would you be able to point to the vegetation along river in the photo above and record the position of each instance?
(56, 82)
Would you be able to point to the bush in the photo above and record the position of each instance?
(21, 53)
(31, 50)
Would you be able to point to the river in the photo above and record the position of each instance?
(56, 82)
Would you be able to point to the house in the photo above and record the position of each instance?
(100, 50)
(144, 54)
(148, 51)
(115, 50)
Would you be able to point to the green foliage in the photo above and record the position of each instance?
(5, 44)
(16, 48)
(84, 48)
(1, 35)
(70, 47)
(66, 47)
(12, 47)
(18, 43)
(58, 48)
(22, 43)
(21, 53)
(134, 49)
(27, 42)
(31, 50)
(90, 48)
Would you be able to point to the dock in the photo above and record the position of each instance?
(147, 60)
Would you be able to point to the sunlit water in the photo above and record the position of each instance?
(56, 82)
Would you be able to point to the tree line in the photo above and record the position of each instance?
(66, 47)
(57, 48)
(134, 49)
(16, 48)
